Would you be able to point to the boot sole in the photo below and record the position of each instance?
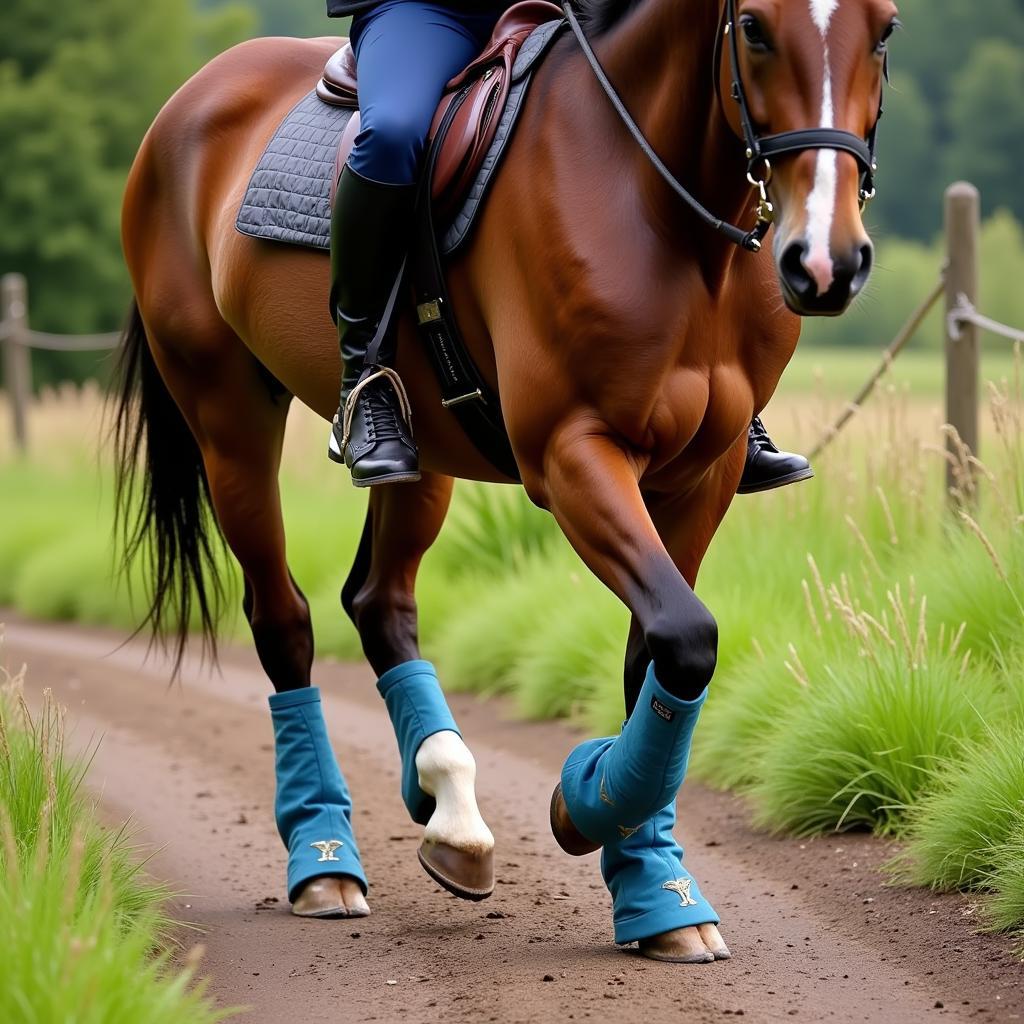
(779, 481)
(392, 478)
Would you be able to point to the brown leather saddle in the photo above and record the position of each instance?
(473, 125)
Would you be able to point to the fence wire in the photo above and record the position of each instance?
(905, 333)
(59, 342)
(965, 313)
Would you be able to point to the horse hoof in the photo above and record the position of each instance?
(566, 834)
(331, 898)
(712, 939)
(470, 876)
(679, 946)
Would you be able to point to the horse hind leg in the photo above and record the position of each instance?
(239, 426)
(438, 770)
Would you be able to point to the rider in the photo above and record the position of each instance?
(406, 51)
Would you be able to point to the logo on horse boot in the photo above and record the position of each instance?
(681, 887)
(603, 794)
(327, 848)
(625, 831)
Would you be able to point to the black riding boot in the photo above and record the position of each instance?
(370, 226)
(767, 467)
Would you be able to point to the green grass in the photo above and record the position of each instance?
(959, 835)
(83, 934)
(839, 372)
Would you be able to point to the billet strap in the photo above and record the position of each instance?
(463, 389)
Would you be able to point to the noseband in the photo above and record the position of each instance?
(759, 149)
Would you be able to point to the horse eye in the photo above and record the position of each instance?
(882, 43)
(753, 33)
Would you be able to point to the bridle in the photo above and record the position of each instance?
(760, 149)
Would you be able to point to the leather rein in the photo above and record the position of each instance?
(759, 149)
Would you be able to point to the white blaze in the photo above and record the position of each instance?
(821, 202)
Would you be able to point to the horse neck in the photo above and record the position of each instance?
(661, 58)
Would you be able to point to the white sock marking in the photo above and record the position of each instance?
(821, 202)
(447, 772)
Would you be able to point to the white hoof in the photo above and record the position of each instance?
(447, 772)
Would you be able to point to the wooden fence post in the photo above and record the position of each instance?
(17, 356)
(962, 348)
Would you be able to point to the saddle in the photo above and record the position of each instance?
(481, 90)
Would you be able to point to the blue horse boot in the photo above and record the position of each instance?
(611, 786)
(314, 812)
(653, 895)
(438, 782)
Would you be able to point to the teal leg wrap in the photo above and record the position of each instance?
(418, 709)
(612, 785)
(313, 807)
(651, 890)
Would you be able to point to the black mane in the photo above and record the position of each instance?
(597, 16)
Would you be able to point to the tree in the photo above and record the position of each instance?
(77, 93)
(909, 180)
(987, 121)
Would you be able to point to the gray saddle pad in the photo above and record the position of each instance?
(288, 196)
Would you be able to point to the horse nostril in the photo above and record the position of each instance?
(792, 268)
(858, 268)
(867, 259)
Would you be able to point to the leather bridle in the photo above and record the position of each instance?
(760, 149)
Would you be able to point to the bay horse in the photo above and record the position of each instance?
(630, 342)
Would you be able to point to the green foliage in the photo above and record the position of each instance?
(986, 122)
(958, 836)
(83, 935)
(78, 90)
(862, 746)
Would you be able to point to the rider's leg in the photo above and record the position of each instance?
(768, 467)
(406, 50)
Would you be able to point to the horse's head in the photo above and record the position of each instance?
(814, 64)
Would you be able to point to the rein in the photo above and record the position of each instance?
(759, 149)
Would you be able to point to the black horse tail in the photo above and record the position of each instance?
(163, 515)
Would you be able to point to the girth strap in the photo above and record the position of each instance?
(463, 389)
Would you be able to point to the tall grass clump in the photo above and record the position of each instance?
(863, 746)
(83, 934)
(958, 836)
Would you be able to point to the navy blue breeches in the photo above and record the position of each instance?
(406, 50)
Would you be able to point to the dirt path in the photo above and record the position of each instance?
(815, 934)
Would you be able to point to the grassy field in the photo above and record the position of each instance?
(83, 936)
(872, 642)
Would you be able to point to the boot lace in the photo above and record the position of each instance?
(376, 406)
(760, 435)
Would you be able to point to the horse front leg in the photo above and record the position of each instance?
(438, 770)
(618, 793)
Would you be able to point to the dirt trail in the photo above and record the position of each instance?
(816, 935)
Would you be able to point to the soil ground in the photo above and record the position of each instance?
(815, 931)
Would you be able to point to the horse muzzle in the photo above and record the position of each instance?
(816, 285)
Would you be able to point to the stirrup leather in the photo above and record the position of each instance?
(381, 373)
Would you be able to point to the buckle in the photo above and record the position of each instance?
(428, 312)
